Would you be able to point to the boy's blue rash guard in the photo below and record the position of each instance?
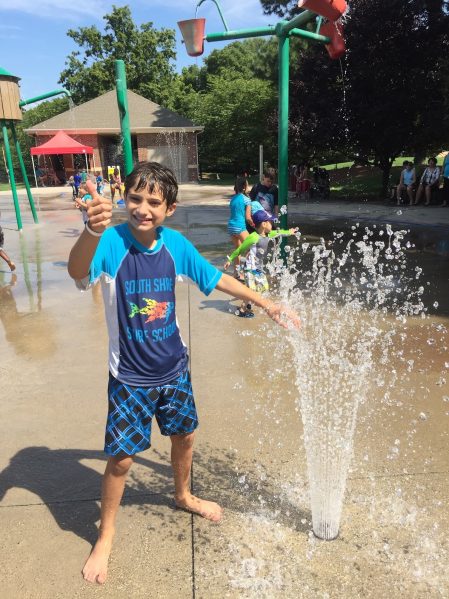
(138, 284)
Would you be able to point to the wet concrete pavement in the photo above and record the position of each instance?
(249, 454)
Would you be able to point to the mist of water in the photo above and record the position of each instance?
(353, 296)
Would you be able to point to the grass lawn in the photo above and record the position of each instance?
(6, 187)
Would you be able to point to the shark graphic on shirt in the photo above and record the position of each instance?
(153, 310)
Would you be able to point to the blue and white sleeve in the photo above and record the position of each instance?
(189, 262)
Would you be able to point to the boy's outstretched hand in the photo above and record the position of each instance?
(283, 316)
(99, 210)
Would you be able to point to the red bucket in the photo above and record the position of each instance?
(331, 9)
(192, 32)
(337, 46)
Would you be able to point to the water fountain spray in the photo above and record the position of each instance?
(353, 297)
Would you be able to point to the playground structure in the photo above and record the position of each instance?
(10, 113)
(329, 33)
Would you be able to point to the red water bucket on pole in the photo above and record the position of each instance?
(337, 46)
(331, 9)
(192, 32)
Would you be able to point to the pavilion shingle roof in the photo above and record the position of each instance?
(101, 114)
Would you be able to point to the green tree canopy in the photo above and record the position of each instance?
(147, 52)
(235, 113)
(387, 97)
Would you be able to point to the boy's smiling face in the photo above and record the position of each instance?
(146, 211)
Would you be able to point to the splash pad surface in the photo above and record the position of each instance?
(249, 451)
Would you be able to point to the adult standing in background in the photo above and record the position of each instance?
(445, 173)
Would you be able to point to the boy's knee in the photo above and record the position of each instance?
(120, 465)
(185, 441)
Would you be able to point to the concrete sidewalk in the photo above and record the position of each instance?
(249, 453)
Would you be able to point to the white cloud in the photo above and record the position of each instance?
(58, 9)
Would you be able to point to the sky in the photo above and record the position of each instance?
(34, 44)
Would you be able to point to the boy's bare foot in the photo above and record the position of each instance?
(12, 266)
(96, 567)
(207, 509)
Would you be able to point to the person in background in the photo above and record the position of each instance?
(82, 201)
(445, 173)
(83, 175)
(3, 254)
(100, 183)
(430, 181)
(41, 176)
(303, 182)
(240, 206)
(254, 248)
(115, 181)
(71, 182)
(266, 192)
(76, 182)
(406, 182)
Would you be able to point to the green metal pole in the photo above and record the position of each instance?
(219, 11)
(240, 33)
(11, 176)
(56, 92)
(283, 62)
(24, 173)
(122, 101)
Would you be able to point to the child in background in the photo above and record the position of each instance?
(265, 193)
(240, 206)
(255, 248)
(100, 183)
(82, 201)
(3, 254)
(76, 182)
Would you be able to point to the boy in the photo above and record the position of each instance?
(255, 248)
(100, 183)
(407, 182)
(82, 201)
(265, 193)
(76, 182)
(138, 262)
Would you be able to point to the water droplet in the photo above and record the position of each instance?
(399, 212)
(242, 479)
(435, 304)
(422, 416)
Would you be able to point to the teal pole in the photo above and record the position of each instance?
(56, 92)
(283, 62)
(11, 176)
(219, 11)
(24, 173)
(240, 33)
(122, 101)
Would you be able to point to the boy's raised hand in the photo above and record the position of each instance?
(99, 209)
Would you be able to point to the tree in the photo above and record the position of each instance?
(391, 99)
(234, 114)
(234, 98)
(147, 53)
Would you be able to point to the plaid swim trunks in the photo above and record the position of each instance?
(131, 410)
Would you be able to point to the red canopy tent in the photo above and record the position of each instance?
(61, 143)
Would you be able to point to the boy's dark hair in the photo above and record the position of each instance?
(270, 173)
(405, 163)
(152, 175)
(240, 184)
(433, 159)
